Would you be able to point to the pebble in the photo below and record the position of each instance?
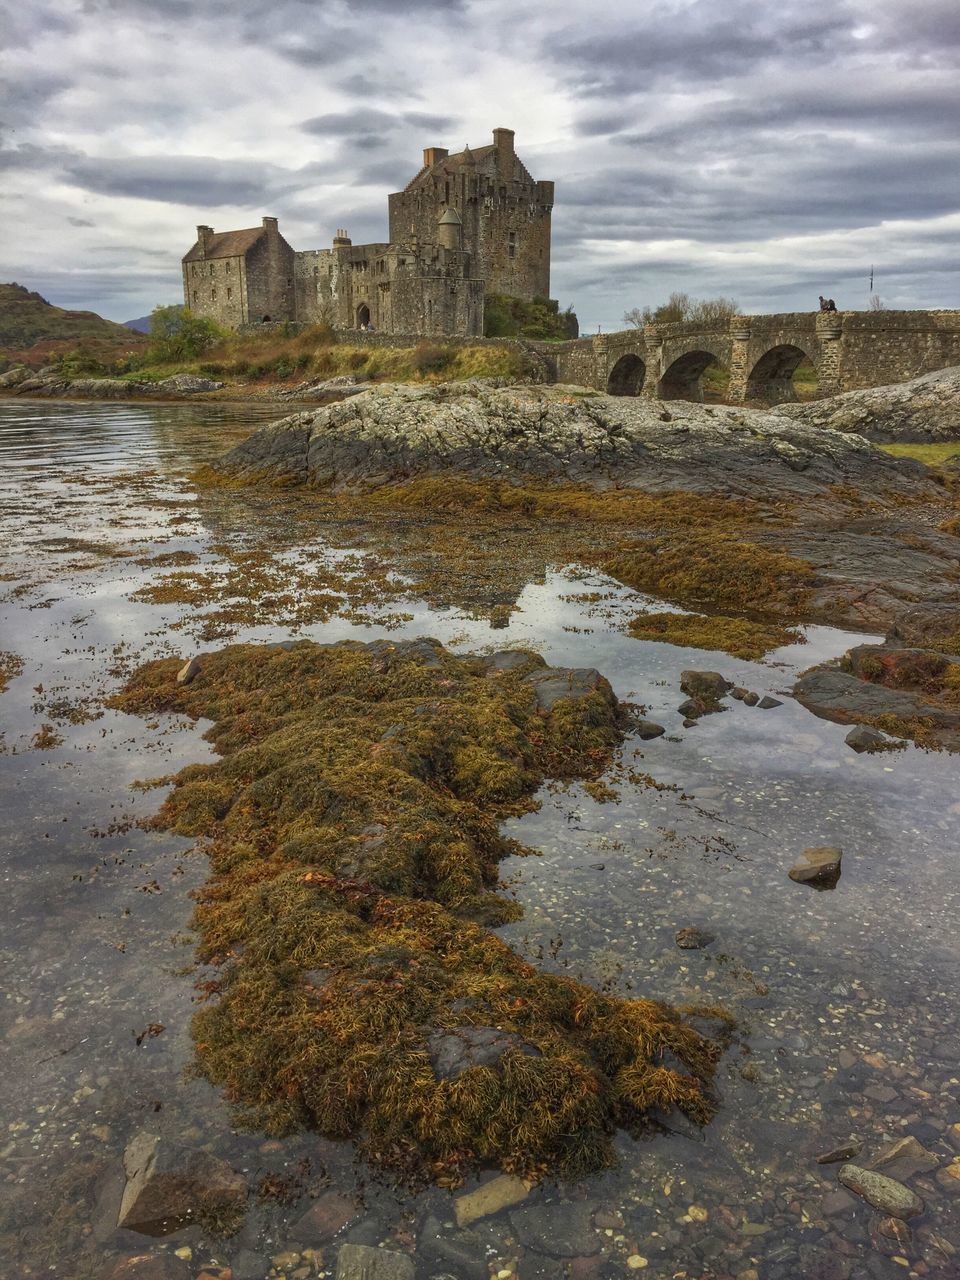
(697, 1213)
(636, 1263)
(883, 1193)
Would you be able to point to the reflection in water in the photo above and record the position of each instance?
(846, 1000)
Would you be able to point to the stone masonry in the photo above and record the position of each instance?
(465, 225)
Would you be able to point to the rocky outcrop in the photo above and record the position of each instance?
(908, 692)
(529, 435)
(49, 381)
(925, 409)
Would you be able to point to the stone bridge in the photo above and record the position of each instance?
(848, 350)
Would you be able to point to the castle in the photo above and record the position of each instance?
(467, 224)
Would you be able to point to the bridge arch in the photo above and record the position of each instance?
(682, 379)
(771, 378)
(627, 376)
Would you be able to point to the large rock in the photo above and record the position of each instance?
(531, 435)
(884, 1194)
(188, 384)
(457, 1050)
(924, 409)
(709, 685)
(361, 1262)
(169, 1186)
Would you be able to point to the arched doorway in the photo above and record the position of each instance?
(626, 376)
(771, 380)
(363, 315)
(696, 375)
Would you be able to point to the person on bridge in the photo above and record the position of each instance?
(827, 304)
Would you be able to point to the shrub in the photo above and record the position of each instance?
(430, 358)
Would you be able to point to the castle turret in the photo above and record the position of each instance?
(450, 229)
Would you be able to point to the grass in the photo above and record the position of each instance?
(932, 455)
(352, 828)
(315, 353)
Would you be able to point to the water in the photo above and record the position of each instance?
(847, 1000)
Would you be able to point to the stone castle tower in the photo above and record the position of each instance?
(465, 225)
(503, 211)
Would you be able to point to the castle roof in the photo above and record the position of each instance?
(450, 216)
(226, 244)
(469, 159)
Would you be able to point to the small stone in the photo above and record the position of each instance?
(288, 1258)
(836, 1202)
(953, 1136)
(738, 692)
(636, 1263)
(766, 702)
(885, 1194)
(499, 1193)
(881, 1093)
(819, 867)
(330, 1213)
(710, 685)
(895, 1229)
(904, 1158)
(863, 738)
(188, 671)
(751, 699)
(949, 1178)
(693, 938)
(697, 1213)
(608, 1220)
(186, 1253)
(846, 1151)
(647, 729)
(360, 1262)
(168, 1186)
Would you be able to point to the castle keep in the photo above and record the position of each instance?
(467, 224)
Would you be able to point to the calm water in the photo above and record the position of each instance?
(847, 1000)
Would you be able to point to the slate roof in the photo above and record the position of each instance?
(226, 244)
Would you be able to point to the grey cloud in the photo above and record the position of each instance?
(202, 181)
(81, 222)
(369, 122)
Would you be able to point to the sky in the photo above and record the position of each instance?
(765, 152)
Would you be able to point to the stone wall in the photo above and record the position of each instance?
(893, 346)
(216, 289)
(269, 276)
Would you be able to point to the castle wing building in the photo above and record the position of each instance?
(465, 225)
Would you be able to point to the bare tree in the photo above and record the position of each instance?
(635, 318)
(877, 303)
(708, 310)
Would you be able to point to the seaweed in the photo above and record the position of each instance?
(352, 828)
(740, 637)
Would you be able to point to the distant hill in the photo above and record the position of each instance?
(29, 323)
(142, 323)
(26, 318)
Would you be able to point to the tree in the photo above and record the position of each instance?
(877, 303)
(177, 334)
(680, 307)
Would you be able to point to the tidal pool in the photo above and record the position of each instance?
(847, 1000)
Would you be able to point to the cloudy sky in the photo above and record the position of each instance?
(768, 152)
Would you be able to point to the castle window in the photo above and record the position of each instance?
(196, 295)
(227, 265)
(213, 295)
(229, 293)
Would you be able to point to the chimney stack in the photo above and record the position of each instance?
(270, 226)
(432, 154)
(503, 141)
(341, 238)
(204, 234)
